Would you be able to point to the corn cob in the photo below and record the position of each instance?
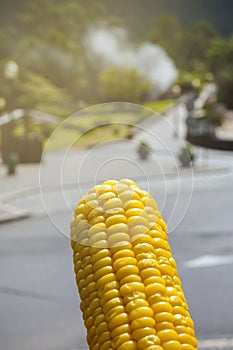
(131, 295)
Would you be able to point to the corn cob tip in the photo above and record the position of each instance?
(114, 214)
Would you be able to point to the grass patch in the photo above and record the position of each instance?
(86, 129)
(93, 126)
(159, 106)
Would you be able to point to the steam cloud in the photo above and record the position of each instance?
(114, 49)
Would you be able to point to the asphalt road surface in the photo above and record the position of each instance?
(39, 305)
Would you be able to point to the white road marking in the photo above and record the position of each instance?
(218, 343)
(209, 261)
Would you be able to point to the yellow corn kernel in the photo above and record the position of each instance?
(131, 295)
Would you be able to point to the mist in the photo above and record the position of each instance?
(113, 48)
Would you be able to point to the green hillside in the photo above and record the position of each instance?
(139, 15)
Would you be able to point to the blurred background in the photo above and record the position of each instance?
(91, 90)
(60, 56)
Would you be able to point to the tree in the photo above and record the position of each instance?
(46, 39)
(166, 33)
(220, 54)
(39, 93)
(187, 46)
(32, 91)
(220, 59)
(193, 45)
(120, 84)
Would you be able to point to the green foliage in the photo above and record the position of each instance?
(43, 94)
(6, 45)
(46, 41)
(33, 91)
(186, 45)
(166, 33)
(97, 124)
(119, 84)
(143, 150)
(45, 19)
(214, 113)
(220, 57)
(187, 80)
(159, 106)
(186, 155)
(196, 50)
(220, 53)
(225, 85)
(193, 44)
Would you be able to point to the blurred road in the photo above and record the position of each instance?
(38, 299)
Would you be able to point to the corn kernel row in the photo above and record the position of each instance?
(131, 295)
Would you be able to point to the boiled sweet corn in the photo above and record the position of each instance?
(131, 295)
